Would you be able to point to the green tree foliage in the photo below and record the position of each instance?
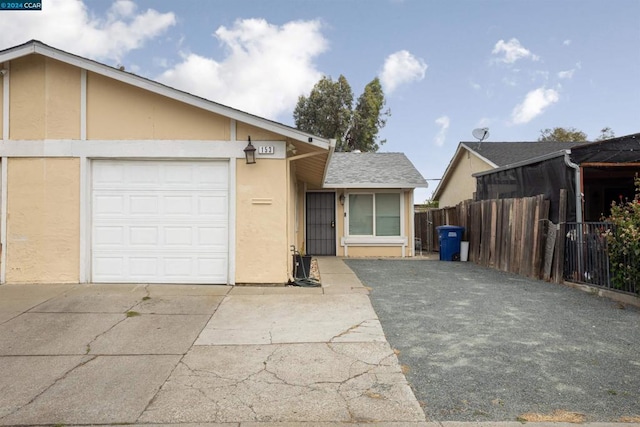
(624, 242)
(559, 134)
(368, 118)
(606, 133)
(328, 112)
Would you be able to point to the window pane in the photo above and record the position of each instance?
(388, 214)
(361, 214)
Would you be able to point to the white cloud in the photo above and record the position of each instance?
(566, 74)
(266, 68)
(566, 42)
(511, 51)
(534, 104)
(443, 122)
(400, 68)
(68, 25)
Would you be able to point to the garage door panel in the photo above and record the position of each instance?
(143, 236)
(109, 235)
(160, 221)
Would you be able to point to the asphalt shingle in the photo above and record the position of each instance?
(508, 153)
(389, 170)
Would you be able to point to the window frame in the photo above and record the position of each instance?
(373, 236)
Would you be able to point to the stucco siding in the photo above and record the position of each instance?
(375, 251)
(44, 99)
(261, 224)
(1, 105)
(461, 185)
(27, 98)
(243, 131)
(62, 97)
(116, 110)
(43, 220)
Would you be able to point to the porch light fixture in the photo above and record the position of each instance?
(250, 153)
(341, 198)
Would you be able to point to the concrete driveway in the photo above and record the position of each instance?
(481, 345)
(198, 355)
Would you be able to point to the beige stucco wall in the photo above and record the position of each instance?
(117, 110)
(243, 131)
(377, 251)
(261, 222)
(44, 99)
(1, 104)
(43, 220)
(461, 185)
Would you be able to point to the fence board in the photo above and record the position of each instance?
(507, 234)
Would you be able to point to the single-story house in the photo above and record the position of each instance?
(594, 175)
(458, 184)
(375, 209)
(109, 177)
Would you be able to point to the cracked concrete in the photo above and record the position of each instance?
(343, 382)
(212, 355)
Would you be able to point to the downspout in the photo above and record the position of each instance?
(578, 186)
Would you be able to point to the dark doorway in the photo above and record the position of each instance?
(321, 224)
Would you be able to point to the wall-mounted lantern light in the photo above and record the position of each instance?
(341, 198)
(250, 153)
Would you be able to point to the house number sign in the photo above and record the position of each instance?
(266, 149)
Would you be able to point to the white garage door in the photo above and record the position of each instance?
(160, 221)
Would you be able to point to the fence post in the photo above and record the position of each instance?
(562, 221)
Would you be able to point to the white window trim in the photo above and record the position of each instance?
(372, 236)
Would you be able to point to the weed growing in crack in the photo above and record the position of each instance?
(132, 314)
(147, 298)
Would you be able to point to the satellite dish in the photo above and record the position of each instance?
(480, 134)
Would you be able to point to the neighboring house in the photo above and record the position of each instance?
(458, 184)
(375, 209)
(594, 175)
(110, 177)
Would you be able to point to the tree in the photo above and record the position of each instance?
(328, 112)
(605, 133)
(559, 134)
(368, 119)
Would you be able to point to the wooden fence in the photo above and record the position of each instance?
(513, 235)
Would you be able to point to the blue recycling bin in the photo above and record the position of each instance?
(449, 237)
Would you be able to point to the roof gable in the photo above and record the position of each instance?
(372, 170)
(39, 48)
(500, 154)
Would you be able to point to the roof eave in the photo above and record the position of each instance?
(447, 173)
(40, 48)
(357, 185)
(524, 162)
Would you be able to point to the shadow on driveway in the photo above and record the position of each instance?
(482, 345)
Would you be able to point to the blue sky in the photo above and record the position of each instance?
(447, 67)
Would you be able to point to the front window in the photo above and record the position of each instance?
(376, 214)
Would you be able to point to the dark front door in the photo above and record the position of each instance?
(321, 224)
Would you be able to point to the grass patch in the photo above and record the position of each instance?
(635, 419)
(132, 314)
(405, 369)
(557, 416)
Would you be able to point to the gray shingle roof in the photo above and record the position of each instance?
(371, 170)
(507, 153)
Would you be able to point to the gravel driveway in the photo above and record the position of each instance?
(482, 345)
